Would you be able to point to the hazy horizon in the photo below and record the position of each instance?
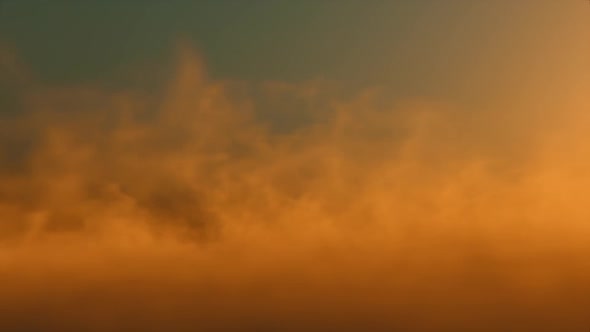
(294, 166)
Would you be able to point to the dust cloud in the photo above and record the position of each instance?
(222, 206)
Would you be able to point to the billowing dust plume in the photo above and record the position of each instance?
(233, 206)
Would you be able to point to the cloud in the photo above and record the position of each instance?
(233, 206)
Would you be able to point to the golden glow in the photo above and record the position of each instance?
(197, 216)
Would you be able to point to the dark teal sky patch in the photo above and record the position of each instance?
(437, 49)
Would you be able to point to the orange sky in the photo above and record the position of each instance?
(234, 204)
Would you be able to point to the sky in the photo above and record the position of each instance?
(294, 165)
(450, 49)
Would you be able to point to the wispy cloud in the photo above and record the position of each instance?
(202, 208)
